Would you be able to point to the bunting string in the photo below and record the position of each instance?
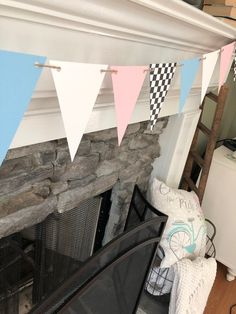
(102, 70)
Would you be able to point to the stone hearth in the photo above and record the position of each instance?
(39, 179)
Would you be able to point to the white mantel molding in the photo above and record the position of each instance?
(126, 20)
(178, 10)
(45, 122)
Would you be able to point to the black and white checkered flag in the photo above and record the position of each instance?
(160, 78)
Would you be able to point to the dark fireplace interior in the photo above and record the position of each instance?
(35, 261)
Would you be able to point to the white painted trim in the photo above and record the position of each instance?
(190, 15)
(175, 143)
(46, 124)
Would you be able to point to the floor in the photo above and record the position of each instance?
(223, 294)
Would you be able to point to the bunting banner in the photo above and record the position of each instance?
(225, 62)
(208, 66)
(160, 77)
(18, 78)
(127, 83)
(189, 69)
(77, 86)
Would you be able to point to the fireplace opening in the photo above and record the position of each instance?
(39, 181)
(36, 260)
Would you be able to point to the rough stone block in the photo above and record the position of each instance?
(141, 141)
(132, 128)
(14, 167)
(104, 183)
(158, 128)
(81, 167)
(62, 157)
(10, 203)
(72, 198)
(11, 184)
(27, 217)
(47, 157)
(59, 187)
(107, 167)
(82, 182)
(84, 148)
(31, 149)
(98, 147)
(108, 155)
(130, 171)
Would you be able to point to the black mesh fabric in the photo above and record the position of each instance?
(11, 274)
(111, 280)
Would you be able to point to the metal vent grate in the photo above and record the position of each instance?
(63, 242)
(72, 233)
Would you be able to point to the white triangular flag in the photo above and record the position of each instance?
(208, 66)
(77, 86)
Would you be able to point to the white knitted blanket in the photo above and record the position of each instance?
(192, 285)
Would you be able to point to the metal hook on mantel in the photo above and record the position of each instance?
(39, 65)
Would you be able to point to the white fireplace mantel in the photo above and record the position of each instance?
(124, 32)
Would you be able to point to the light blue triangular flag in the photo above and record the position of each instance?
(18, 77)
(189, 70)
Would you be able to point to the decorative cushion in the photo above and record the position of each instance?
(185, 232)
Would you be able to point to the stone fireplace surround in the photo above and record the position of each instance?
(39, 179)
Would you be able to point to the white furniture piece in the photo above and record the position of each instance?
(219, 205)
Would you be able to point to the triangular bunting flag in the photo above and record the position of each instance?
(127, 83)
(189, 69)
(160, 78)
(225, 62)
(208, 66)
(18, 77)
(77, 86)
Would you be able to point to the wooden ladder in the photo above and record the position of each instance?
(193, 156)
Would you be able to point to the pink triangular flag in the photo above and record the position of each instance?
(127, 82)
(225, 62)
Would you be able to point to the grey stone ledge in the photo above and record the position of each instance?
(27, 217)
(12, 184)
(72, 198)
(82, 167)
(31, 149)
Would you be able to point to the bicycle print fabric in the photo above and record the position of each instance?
(185, 232)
